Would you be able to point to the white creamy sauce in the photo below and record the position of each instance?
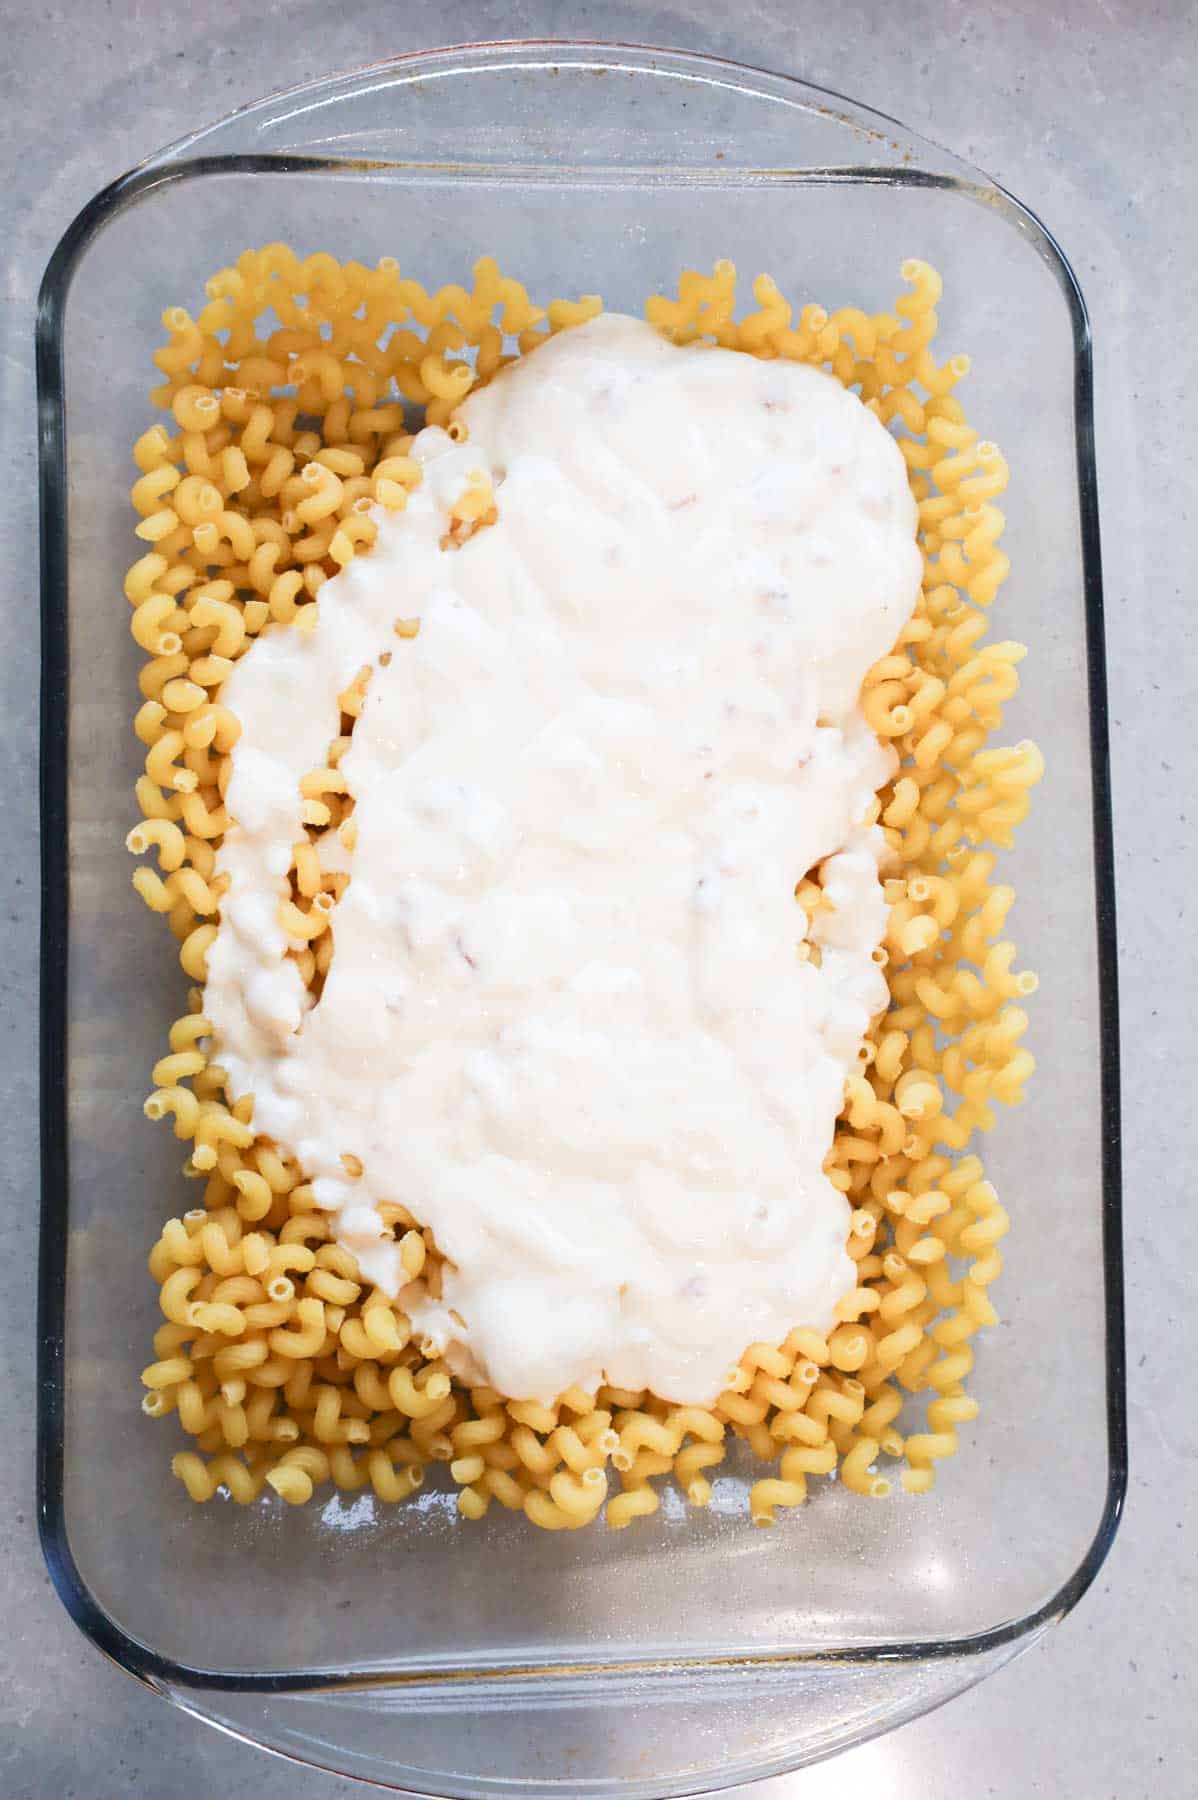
(567, 1023)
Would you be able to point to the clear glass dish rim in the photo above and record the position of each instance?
(174, 162)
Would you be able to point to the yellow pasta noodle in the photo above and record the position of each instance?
(284, 1367)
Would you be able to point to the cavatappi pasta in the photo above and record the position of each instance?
(287, 1370)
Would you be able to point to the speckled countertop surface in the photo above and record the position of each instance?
(1084, 108)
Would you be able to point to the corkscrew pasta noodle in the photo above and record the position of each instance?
(282, 1365)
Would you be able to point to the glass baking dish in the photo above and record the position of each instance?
(691, 1652)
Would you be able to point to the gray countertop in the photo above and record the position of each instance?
(1084, 108)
